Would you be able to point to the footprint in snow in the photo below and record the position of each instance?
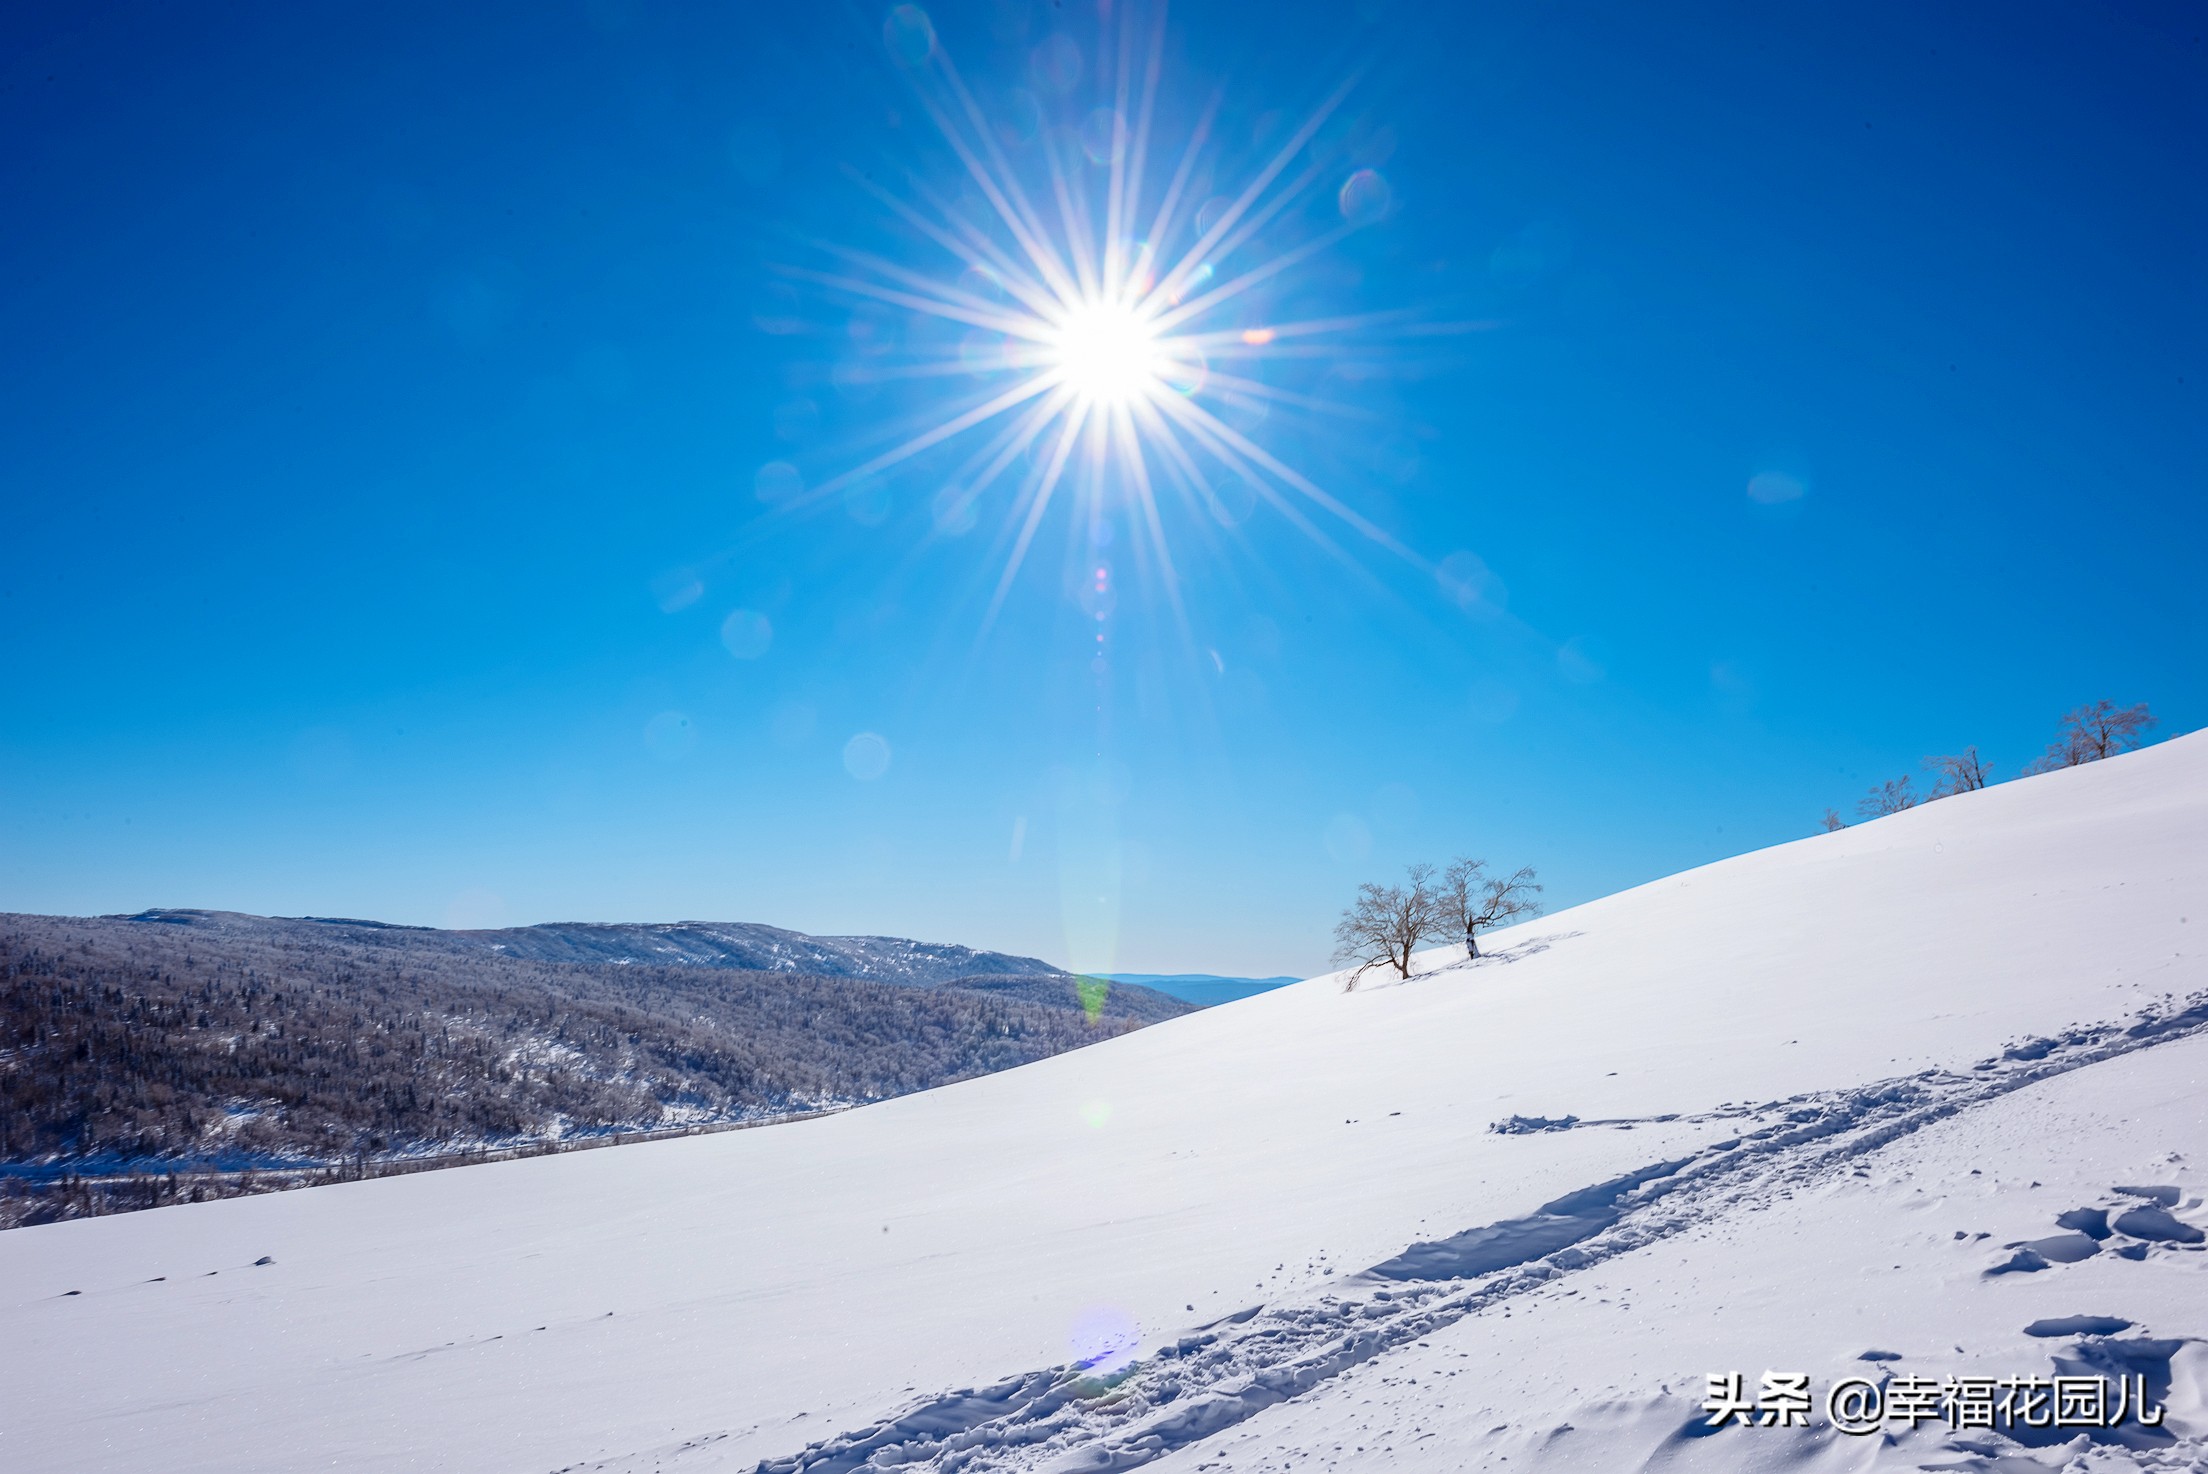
(2077, 1325)
(2151, 1222)
(2156, 1223)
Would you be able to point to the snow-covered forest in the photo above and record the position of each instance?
(178, 1056)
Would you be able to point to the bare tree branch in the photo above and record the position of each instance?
(1890, 797)
(2090, 733)
(1473, 899)
(1957, 772)
(1387, 923)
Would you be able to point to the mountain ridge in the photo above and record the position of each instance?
(743, 945)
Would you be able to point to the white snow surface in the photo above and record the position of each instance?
(1794, 1058)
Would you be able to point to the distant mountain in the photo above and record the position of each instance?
(181, 1054)
(742, 944)
(1204, 989)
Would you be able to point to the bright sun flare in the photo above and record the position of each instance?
(1109, 355)
(1094, 360)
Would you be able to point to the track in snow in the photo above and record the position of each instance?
(1072, 1420)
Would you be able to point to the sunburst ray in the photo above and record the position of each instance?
(1108, 337)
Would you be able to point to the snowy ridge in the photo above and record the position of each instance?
(747, 945)
(755, 946)
(1071, 1420)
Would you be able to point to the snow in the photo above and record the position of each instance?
(1777, 1086)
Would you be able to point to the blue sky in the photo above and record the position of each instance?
(387, 390)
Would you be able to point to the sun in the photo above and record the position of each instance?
(1114, 338)
(1108, 354)
(1111, 355)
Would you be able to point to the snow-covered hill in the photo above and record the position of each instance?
(1798, 1104)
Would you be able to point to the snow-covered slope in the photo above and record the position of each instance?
(1864, 1262)
(2004, 974)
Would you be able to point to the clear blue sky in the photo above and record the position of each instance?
(387, 386)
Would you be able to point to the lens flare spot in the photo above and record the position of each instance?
(1096, 1114)
(1056, 64)
(777, 483)
(1364, 197)
(1467, 582)
(1104, 1338)
(1092, 992)
(1230, 501)
(1770, 488)
(747, 633)
(1095, 594)
(1104, 136)
(1182, 368)
(953, 511)
(981, 281)
(866, 756)
(983, 353)
(909, 35)
(1190, 283)
(1021, 122)
(1258, 337)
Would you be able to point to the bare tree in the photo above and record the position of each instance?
(1833, 821)
(2093, 732)
(1890, 797)
(1473, 899)
(1388, 922)
(1957, 772)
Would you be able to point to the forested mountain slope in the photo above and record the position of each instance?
(746, 946)
(195, 1040)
